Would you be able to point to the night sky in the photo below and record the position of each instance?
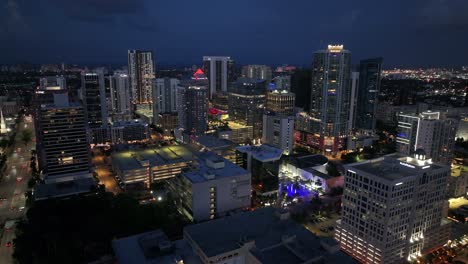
(404, 32)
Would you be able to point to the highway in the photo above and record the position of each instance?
(13, 186)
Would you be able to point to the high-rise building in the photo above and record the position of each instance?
(94, 102)
(262, 72)
(141, 72)
(368, 93)
(278, 131)
(164, 96)
(282, 82)
(120, 96)
(196, 100)
(330, 96)
(220, 71)
(280, 102)
(428, 130)
(62, 144)
(181, 107)
(393, 209)
(247, 103)
(353, 100)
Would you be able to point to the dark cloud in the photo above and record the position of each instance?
(259, 31)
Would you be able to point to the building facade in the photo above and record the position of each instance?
(280, 102)
(261, 72)
(214, 187)
(120, 97)
(196, 103)
(393, 209)
(278, 131)
(62, 141)
(247, 103)
(141, 72)
(429, 131)
(368, 93)
(330, 96)
(220, 72)
(165, 96)
(93, 95)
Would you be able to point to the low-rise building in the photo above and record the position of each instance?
(222, 147)
(142, 167)
(212, 188)
(239, 133)
(265, 235)
(312, 170)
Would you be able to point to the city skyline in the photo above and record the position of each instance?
(368, 29)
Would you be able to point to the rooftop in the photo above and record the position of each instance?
(62, 188)
(277, 239)
(395, 167)
(235, 125)
(151, 248)
(263, 153)
(135, 122)
(156, 156)
(212, 142)
(212, 167)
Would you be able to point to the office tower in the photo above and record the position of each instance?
(220, 72)
(368, 93)
(62, 144)
(247, 103)
(164, 96)
(353, 100)
(283, 82)
(280, 102)
(141, 72)
(278, 131)
(94, 103)
(330, 96)
(261, 72)
(393, 209)
(196, 100)
(120, 96)
(428, 130)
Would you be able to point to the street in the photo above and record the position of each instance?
(13, 186)
(104, 174)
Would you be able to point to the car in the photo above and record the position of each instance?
(2, 198)
(19, 179)
(8, 244)
(13, 166)
(21, 209)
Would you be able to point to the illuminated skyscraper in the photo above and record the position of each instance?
(141, 72)
(330, 96)
(220, 72)
(120, 96)
(196, 99)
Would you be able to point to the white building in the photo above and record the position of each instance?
(165, 96)
(278, 131)
(393, 208)
(427, 131)
(120, 95)
(220, 71)
(262, 72)
(212, 189)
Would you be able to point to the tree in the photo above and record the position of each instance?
(26, 136)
